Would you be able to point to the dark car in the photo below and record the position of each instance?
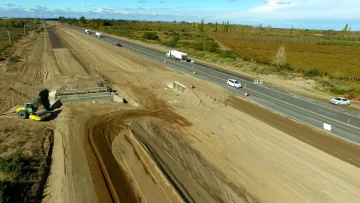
(117, 44)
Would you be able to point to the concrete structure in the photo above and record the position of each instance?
(59, 97)
(177, 86)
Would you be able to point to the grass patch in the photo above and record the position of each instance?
(15, 34)
(313, 73)
(150, 36)
(13, 59)
(335, 60)
(39, 30)
(26, 173)
(228, 54)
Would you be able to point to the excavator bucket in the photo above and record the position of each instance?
(40, 115)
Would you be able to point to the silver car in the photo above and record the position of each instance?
(340, 100)
(234, 83)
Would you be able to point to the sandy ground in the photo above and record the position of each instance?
(202, 145)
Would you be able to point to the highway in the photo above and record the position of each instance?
(344, 124)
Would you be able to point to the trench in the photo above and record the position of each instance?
(40, 191)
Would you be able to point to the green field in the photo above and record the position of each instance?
(15, 34)
(331, 60)
(15, 27)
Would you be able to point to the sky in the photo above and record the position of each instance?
(310, 14)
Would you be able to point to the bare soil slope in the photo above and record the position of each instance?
(203, 145)
(223, 150)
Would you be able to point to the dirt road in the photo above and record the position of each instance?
(203, 145)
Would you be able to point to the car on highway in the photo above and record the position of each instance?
(117, 45)
(234, 83)
(340, 100)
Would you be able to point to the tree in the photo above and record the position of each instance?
(8, 32)
(201, 27)
(176, 38)
(62, 19)
(82, 20)
(194, 25)
(280, 58)
(345, 31)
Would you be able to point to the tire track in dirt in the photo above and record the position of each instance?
(83, 64)
(115, 177)
(54, 39)
(100, 140)
(75, 65)
(11, 97)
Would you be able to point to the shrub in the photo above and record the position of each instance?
(26, 171)
(286, 66)
(168, 43)
(313, 73)
(39, 30)
(13, 59)
(150, 36)
(352, 96)
(199, 47)
(214, 50)
(228, 54)
(340, 91)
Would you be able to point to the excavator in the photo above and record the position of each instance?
(30, 109)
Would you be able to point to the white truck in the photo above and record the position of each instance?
(98, 34)
(177, 55)
(87, 31)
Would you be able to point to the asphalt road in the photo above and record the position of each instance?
(344, 124)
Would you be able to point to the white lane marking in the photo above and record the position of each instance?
(315, 119)
(276, 95)
(326, 112)
(287, 94)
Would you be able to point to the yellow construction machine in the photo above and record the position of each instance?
(30, 110)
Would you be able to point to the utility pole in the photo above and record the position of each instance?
(204, 43)
(9, 37)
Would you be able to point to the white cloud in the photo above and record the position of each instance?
(280, 12)
(10, 5)
(302, 10)
(29, 10)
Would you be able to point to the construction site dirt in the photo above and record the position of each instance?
(202, 145)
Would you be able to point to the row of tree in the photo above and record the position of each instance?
(292, 35)
(18, 22)
(94, 22)
(243, 32)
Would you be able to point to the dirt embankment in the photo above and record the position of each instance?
(209, 149)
